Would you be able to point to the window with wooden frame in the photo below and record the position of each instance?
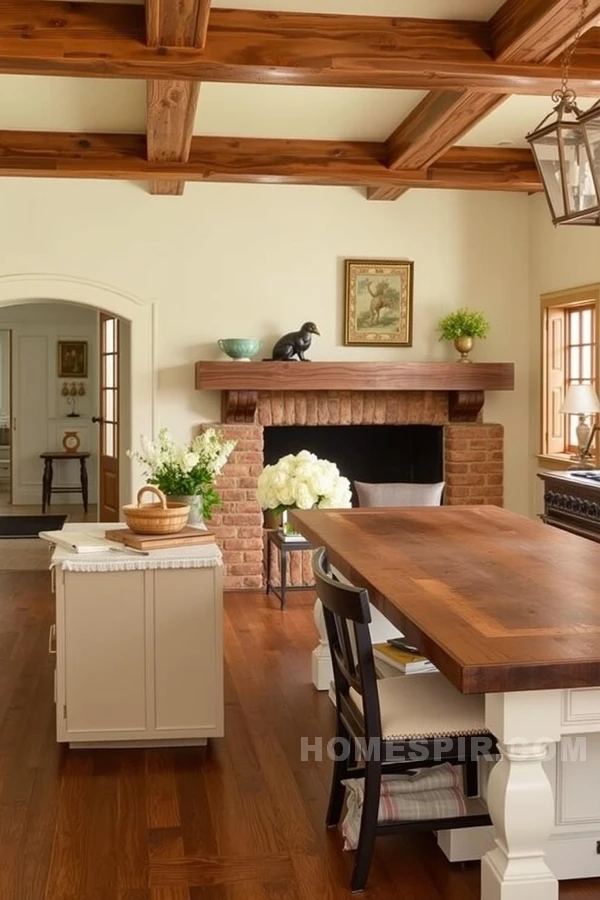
(570, 324)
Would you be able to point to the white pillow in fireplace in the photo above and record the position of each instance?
(399, 494)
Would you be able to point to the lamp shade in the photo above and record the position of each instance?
(581, 399)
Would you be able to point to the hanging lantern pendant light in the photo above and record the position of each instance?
(566, 149)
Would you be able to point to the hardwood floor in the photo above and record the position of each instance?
(239, 820)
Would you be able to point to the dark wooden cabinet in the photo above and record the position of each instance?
(572, 503)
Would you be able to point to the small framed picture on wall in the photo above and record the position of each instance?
(378, 302)
(72, 359)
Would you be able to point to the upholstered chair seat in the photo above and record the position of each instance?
(423, 706)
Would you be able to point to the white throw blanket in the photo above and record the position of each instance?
(435, 793)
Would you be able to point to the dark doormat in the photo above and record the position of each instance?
(29, 526)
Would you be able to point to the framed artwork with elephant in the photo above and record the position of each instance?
(379, 301)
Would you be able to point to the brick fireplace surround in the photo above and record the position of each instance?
(473, 462)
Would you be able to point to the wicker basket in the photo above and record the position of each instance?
(156, 518)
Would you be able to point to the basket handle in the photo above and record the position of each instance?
(150, 489)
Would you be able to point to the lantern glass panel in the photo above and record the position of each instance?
(592, 128)
(581, 191)
(545, 148)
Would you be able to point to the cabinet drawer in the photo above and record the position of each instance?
(581, 707)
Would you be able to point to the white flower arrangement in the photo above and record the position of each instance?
(303, 481)
(188, 469)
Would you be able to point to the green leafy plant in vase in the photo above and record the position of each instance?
(186, 472)
(461, 327)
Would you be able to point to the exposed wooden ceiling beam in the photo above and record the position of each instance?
(245, 160)
(171, 105)
(46, 37)
(523, 31)
(536, 31)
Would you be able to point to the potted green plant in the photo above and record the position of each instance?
(461, 326)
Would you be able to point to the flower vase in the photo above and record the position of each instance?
(195, 503)
(287, 529)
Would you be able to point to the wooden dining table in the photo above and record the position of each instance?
(507, 607)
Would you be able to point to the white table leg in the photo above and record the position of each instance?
(322, 672)
(527, 725)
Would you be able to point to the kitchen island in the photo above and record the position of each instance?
(138, 646)
(510, 608)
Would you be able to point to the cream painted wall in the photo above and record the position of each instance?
(257, 260)
(561, 258)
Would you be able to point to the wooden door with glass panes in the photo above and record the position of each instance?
(109, 506)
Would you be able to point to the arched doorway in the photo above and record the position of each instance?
(139, 315)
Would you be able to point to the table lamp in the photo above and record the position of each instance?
(582, 401)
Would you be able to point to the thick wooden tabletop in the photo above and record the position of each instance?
(497, 601)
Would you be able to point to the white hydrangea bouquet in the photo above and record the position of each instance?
(302, 481)
(186, 471)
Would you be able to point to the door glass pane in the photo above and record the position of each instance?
(109, 367)
(108, 411)
(574, 367)
(109, 335)
(586, 326)
(109, 439)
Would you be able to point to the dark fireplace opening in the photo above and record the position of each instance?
(372, 453)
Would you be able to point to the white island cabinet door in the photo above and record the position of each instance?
(104, 655)
(188, 652)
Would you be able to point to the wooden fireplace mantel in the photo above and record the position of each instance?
(241, 382)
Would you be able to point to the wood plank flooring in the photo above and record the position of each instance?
(239, 820)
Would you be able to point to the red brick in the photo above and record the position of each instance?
(250, 532)
(230, 495)
(300, 404)
(455, 468)
(249, 456)
(253, 556)
(232, 556)
(242, 544)
(494, 478)
(486, 467)
(247, 482)
(242, 569)
(253, 581)
(230, 518)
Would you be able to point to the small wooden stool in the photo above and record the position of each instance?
(48, 490)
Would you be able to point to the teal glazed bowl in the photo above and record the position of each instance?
(240, 349)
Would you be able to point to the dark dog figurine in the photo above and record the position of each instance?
(295, 344)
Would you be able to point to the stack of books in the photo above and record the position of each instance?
(401, 659)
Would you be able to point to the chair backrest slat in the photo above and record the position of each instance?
(347, 617)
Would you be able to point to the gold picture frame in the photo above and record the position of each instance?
(378, 302)
(72, 359)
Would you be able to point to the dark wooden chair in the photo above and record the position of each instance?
(415, 721)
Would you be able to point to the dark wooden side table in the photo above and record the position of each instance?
(275, 539)
(48, 489)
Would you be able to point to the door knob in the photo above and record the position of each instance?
(98, 420)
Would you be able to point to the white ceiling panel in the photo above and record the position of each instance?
(283, 111)
(517, 116)
(36, 103)
(428, 9)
